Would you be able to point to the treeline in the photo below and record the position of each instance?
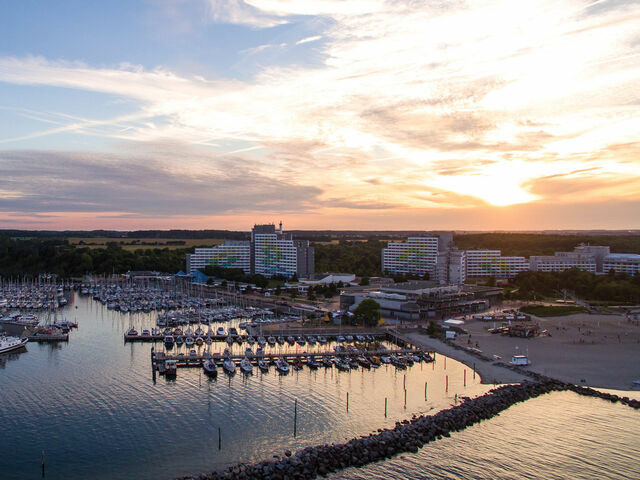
(527, 244)
(613, 287)
(19, 258)
(176, 234)
(361, 258)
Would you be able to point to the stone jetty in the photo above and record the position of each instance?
(406, 436)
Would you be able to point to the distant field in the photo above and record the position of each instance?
(135, 243)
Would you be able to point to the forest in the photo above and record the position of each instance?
(30, 257)
(613, 287)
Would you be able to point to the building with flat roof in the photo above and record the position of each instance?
(269, 252)
(417, 256)
(431, 254)
(628, 263)
(562, 261)
(491, 263)
(230, 254)
(423, 300)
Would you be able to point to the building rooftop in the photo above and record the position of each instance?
(622, 256)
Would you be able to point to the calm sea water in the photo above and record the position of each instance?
(95, 410)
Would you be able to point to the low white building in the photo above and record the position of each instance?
(329, 278)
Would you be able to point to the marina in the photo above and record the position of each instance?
(106, 393)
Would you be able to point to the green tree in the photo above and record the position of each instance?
(368, 312)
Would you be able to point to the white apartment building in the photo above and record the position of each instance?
(231, 254)
(491, 263)
(273, 255)
(628, 263)
(562, 261)
(418, 255)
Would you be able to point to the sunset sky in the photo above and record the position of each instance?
(362, 114)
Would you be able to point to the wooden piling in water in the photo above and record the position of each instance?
(385, 407)
(446, 388)
(425, 391)
(347, 401)
(295, 417)
(465, 378)
(42, 463)
(219, 439)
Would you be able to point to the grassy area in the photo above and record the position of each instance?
(129, 243)
(553, 311)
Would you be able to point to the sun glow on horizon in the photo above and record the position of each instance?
(368, 109)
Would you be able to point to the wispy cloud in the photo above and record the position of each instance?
(315, 38)
(481, 101)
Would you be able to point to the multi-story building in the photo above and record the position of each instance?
(562, 261)
(269, 252)
(274, 253)
(491, 263)
(231, 254)
(435, 255)
(628, 263)
(598, 252)
(418, 255)
(451, 266)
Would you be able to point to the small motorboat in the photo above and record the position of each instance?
(322, 340)
(280, 340)
(146, 332)
(341, 365)
(229, 366)
(297, 364)
(179, 340)
(220, 332)
(170, 368)
(301, 341)
(9, 344)
(291, 340)
(169, 340)
(349, 338)
(189, 342)
(262, 341)
(263, 366)
(313, 363)
(132, 332)
(340, 339)
(245, 366)
(271, 341)
(251, 340)
(326, 362)
(210, 367)
(282, 366)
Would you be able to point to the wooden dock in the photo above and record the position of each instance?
(185, 360)
(49, 338)
(243, 338)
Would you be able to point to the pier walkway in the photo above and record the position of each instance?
(185, 360)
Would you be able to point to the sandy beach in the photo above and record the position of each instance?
(588, 349)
